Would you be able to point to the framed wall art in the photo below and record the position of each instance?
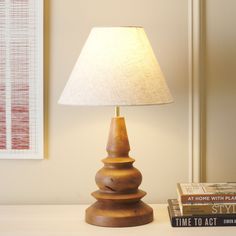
(21, 79)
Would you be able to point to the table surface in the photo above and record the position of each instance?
(68, 220)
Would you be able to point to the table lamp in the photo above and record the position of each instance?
(117, 67)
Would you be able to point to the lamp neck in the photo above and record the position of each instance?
(117, 111)
(118, 142)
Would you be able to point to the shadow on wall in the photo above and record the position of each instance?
(47, 26)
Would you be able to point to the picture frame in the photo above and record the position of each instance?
(21, 89)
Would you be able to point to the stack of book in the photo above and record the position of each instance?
(203, 204)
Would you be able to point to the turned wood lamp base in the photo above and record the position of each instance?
(119, 215)
(118, 198)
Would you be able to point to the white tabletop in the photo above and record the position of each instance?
(68, 220)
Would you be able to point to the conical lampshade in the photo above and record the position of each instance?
(116, 66)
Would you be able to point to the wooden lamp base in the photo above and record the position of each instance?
(118, 198)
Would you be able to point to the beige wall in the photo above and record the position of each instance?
(220, 82)
(76, 136)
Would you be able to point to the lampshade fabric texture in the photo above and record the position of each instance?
(116, 66)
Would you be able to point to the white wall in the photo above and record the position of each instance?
(76, 137)
(220, 90)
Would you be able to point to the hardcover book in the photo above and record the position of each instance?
(206, 192)
(207, 208)
(177, 219)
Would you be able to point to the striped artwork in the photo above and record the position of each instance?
(21, 86)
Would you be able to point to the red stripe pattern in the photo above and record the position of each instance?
(2, 77)
(19, 64)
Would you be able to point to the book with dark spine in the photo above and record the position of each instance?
(206, 192)
(177, 219)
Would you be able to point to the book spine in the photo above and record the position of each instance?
(206, 209)
(207, 198)
(203, 221)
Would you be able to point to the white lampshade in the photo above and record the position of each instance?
(116, 66)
